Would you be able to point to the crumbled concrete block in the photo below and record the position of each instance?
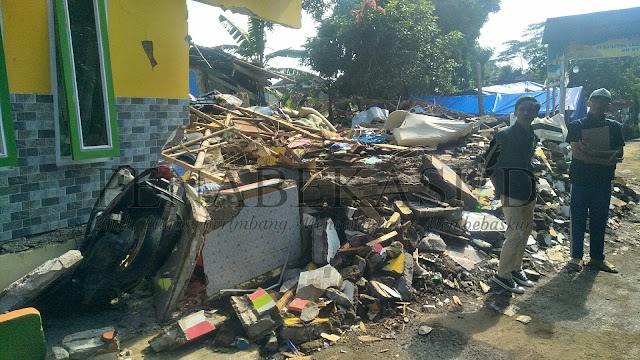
(30, 285)
(298, 332)
(339, 297)
(312, 284)
(84, 344)
(309, 312)
(60, 353)
(256, 325)
(432, 243)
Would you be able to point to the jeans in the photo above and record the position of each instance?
(518, 214)
(593, 203)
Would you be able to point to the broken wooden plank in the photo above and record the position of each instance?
(280, 122)
(210, 147)
(384, 239)
(368, 210)
(207, 116)
(285, 299)
(194, 141)
(390, 147)
(200, 157)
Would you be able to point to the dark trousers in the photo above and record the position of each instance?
(592, 203)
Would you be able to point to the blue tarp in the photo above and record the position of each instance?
(464, 103)
(514, 88)
(504, 104)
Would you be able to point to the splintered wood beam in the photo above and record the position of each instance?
(280, 122)
(191, 168)
(202, 152)
(194, 141)
(384, 239)
(212, 146)
(206, 116)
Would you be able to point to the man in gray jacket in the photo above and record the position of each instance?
(509, 161)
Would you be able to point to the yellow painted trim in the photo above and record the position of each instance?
(26, 46)
(164, 22)
(284, 12)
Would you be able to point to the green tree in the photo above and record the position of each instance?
(250, 44)
(528, 55)
(620, 75)
(466, 17)
(385, 49)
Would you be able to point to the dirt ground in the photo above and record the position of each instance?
(589, 315)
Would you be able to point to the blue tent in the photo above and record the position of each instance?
(504, 103)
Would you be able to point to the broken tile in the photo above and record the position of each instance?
(297, 305)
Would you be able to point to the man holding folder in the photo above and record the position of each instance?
(597, 146)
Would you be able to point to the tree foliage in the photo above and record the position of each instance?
(528, 55)
(385, 49)
(620, 75)
(466, 17)
(250, 44)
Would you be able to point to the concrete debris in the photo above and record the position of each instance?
(425, 330)
(60, 353)
(29, 286)
(383, 224)
(256, 325)
(432, 243)
(309, 312)
(312, 284)
(524, 319)
(86, 344)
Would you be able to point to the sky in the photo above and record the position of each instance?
(507, 24)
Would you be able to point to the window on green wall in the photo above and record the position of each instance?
(8, 154)
(87, 119)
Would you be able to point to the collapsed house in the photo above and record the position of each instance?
(300, 228)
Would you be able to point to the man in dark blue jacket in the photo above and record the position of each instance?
(591, 172)
(509, 161)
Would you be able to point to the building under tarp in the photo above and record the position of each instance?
(501, 104)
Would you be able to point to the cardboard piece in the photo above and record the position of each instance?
(597, 138)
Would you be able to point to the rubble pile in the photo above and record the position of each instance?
(383, 225)
(290, 232)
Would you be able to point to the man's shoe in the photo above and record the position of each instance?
(603, 265)
(521, 278)
(508, 284)
(574, 265)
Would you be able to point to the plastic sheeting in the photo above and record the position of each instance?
(514, 88)
(428, 130)
(548, 128)
(467, 104)
(504, 104)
